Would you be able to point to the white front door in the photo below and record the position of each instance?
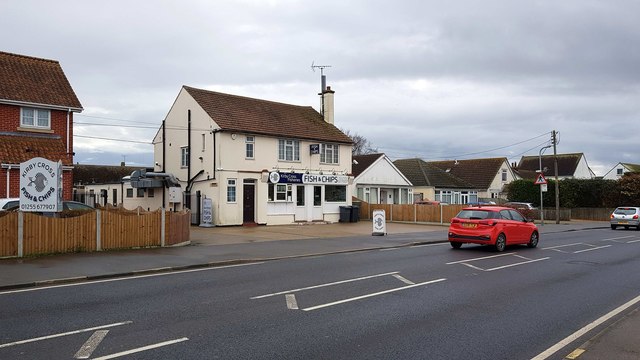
(301, 209)
(316, 201)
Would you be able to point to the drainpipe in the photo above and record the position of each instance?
(164, 144)
(214, 132)
(68, 120)
(188, 189)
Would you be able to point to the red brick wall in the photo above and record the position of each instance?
(10, 121)
(14, 183)
(9, 117)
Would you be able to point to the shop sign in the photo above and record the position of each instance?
(41, 185)
(311, 179)
(314, 149)
(285, 178)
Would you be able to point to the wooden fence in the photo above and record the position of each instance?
(26, 234)
(444, 213)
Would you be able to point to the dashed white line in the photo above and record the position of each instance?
(323, 285)
(617, 238)
(633, 241)
(292, 304)
(561, 246)
(591, 249)
(516, 264)
(371, 295)
(403, 279)
(481, 258)
(64, 334)
(141, 349)
(90, 345)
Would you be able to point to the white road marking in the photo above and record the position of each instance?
(516, 264)
(90, 345)
(141, 349)
(561, 246)
(403, 279)
(389, 249)
(323, 285)
(617, 238)
(126, 278)
(594, 248)
(481, 258)
(473, 267)
(372, 295)
(573, 337)
(633, 241)
(292, 304)
(522, 257)
(425, 245)
(65, 334)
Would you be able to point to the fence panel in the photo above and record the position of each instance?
(427, 213)
(450, 211)
(599, 214)
(385, 207)
(177, 227)
(127, 229)
(8, 234)
(404, 212)
(49, 235)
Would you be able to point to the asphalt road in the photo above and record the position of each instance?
(424, 302)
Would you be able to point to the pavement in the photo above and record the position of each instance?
(219, 246)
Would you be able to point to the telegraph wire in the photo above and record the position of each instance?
(112, 139)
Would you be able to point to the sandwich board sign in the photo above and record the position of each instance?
(379, 223)
(40, 185)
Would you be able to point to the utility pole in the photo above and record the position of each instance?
(555, 168)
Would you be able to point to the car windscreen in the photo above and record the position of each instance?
(476, 214)
(625, 211)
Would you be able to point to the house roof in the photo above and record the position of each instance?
(101, 174)
(363, 163)
(567, 165)
(16, 148)
(421, 173)
(33, 80)
(243, 114)
(478, 172)
(632, 167)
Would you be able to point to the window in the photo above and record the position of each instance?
(184, 156)
(231, 190)
(329, 153)
(335, 193)
(516, 215)
(140, 192)
(280, 192)
(204, 143)
(150, 192)
(129, 193)
(504, 175)
(35, 118)
(619, 171)
(288, 150)
(115, 197)
(249, 145)
(300, 195)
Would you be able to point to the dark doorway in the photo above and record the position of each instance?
(249, 202)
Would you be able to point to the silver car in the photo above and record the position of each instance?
(625, 216)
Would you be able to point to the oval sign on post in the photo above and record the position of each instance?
(379, 223)
(40, 185)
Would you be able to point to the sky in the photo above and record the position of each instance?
(429, 79)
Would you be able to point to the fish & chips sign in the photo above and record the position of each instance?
(41, 185)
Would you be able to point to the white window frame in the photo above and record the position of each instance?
(330, 154)
(250, 147)
(504, 175)
(232, 190)
(35, 118)
(184, 156)
(284, 145)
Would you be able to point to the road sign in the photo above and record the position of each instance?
(540, 179)
(543, 187)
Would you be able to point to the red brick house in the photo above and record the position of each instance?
(37, 104)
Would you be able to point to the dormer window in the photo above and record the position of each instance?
(35, 118)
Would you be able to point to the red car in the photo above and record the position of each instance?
(492, 225)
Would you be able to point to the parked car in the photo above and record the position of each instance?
(498, 226)
(625, 216)
(9, 203)
(520, 205)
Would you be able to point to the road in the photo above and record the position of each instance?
(423, 302)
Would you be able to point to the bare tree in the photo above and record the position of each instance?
(361, 146)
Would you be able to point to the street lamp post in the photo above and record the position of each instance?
(541, 171)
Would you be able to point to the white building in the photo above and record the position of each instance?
(570, 166)
(620, 169)
(378, 181)
(259, 161)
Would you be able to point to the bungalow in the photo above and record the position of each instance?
(378, 181)
(620, 169)
(570, 166)
(432, 183)
(257, 161)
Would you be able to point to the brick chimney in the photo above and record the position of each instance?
(326, 99)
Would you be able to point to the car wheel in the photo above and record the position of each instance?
(501, 243)
(613, 227)
(456, 244)
(533, 241)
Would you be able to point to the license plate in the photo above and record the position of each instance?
(623, 222)
(469, 225)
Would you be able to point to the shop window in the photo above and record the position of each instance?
(280, 192)
(335, 193)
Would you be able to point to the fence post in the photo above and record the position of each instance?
(162, 227)
(441, 222)
(415, 213)
(98, 231)
(391, 212)
(20, 234)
